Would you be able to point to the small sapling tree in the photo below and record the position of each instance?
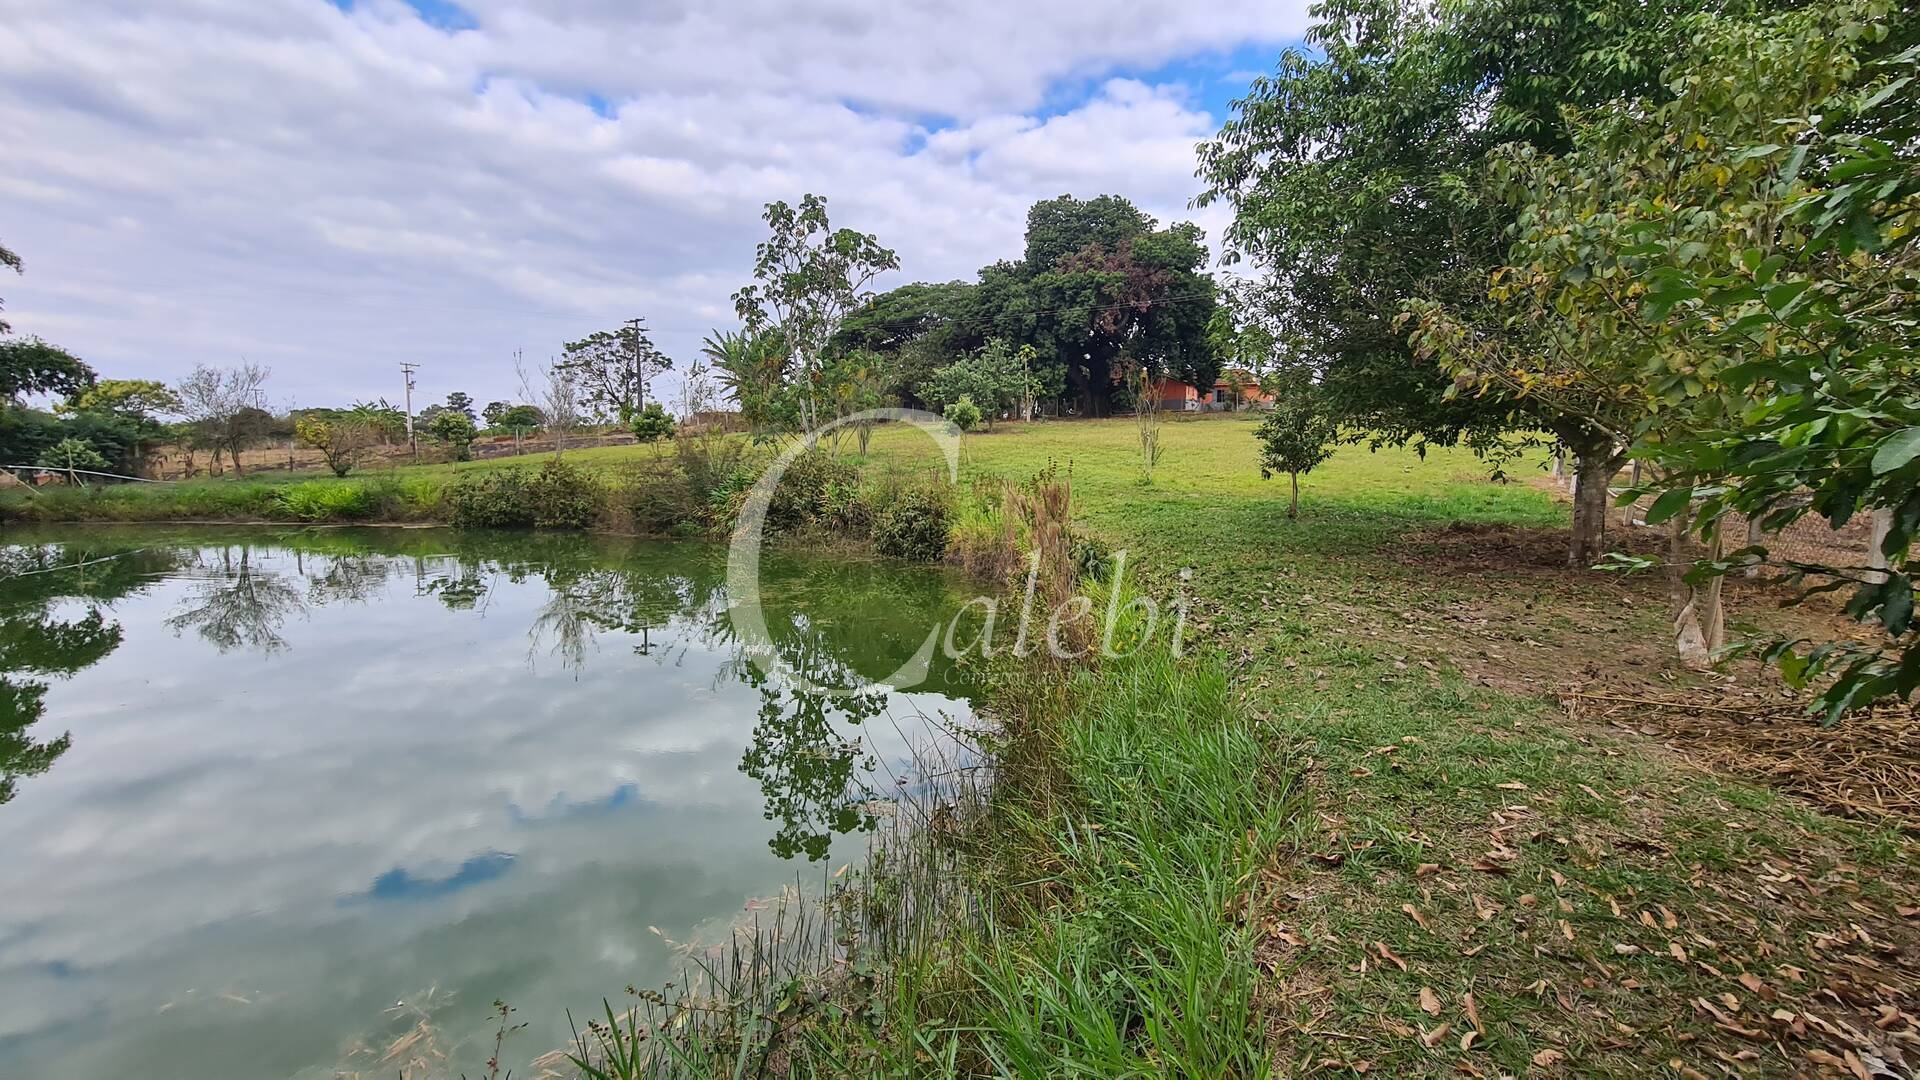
(1299, 434)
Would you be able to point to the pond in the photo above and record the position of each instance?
(273, 799)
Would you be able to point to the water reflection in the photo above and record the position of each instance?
(37, 583)
(259, 785)
(805, 752)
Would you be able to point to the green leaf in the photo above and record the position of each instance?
(1896, 450)
(1670, 502)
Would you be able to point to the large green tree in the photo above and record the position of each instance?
(613, 368)
(920, 328)
(808, 277)
(1101, 286)
(1357, 175)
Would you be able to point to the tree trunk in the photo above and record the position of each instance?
(239, 472)
(1699, 622)
(1593, 469)
(1293, 509)
(1877, 560)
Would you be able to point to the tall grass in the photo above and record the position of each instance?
(1087, 906)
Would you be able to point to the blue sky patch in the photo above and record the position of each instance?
(400, 883)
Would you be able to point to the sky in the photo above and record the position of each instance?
(332, 188)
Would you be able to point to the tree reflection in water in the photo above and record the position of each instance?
(835, 624)
(232, 606)
(37, 644)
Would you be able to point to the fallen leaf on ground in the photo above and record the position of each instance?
(1433, 1038)
(1389, 955)
(1414, 914)
(1429, 1001)
(1547, 1059)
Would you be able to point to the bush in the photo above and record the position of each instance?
(804, 495)
(660, 499)
(557, 496)
(566, 496)
(652, 424)
(913, 526)
(963, 414)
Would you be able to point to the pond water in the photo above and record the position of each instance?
(269, 799)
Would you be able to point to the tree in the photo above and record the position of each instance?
(342, 440)
(994, 377)
(521, 417)
(455, 429)
(612, 369)
(461, 403)
(652, 423)
(808, 278)
(140, 399)
(70, 456)
(12, 262)
(492, 413)
(31, 366)
(752, 370)
(1804, 287)
(918, 328)
(963, 414)
(1100, 287)
(556, 390)
(1299, 434)
(855, 382)
(222, 406)
(1356, 174)
(138, 405)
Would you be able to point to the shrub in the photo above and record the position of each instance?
(803, 495)
(913, 526)
(652, 424)
(963, 414)
(566, 496)
(659, 498)
(557, 496)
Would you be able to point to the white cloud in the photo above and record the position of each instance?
(331, 192)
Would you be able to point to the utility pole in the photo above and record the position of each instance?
(413, 444)
(639, 364)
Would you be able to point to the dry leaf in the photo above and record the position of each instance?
(1466, 1041)
(1433, 1038)
(1389, 955)
(1426, 868)
(1547, 1059)
(1473, 1011)
(1429, 1001)
(1414, 913)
